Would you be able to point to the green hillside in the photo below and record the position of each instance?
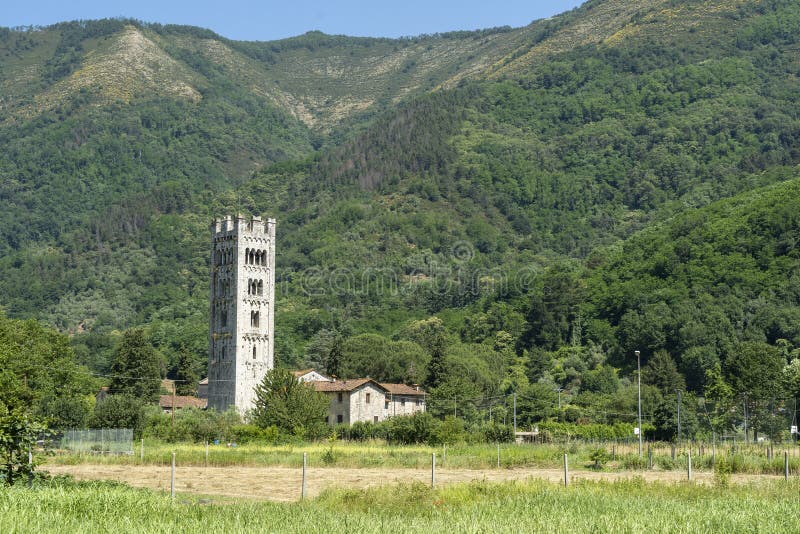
(544, 199)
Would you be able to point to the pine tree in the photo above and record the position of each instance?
(137, 367)
(437, 369)
(333, 363)
(290, 405)
(187, 374)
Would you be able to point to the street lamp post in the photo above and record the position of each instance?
(639, 392)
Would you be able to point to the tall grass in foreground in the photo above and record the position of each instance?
(751, 460)
(631, 506)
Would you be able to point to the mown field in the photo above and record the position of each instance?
(532, 506)
(749, 459)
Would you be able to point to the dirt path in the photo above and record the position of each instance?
(283, 483)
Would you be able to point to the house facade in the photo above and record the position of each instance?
(361, 399)
(401, 399)
(367, 400)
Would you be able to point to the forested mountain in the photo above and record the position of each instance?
(545, 199)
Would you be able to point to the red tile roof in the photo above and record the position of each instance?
(181, 401)
(402, 389)
(343, 385)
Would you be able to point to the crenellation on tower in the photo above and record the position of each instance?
(241, 344)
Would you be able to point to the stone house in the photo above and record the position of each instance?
(361, 399)
(365, 400)
(401, 399)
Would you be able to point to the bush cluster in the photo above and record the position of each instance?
(422, 427)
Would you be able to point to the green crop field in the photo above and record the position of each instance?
(632, 506)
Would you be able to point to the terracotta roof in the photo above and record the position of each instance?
(181, 401)
(402, 389)
(343, 385)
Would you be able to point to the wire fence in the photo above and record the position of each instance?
(97, 440)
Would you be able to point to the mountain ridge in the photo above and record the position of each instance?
(388, 168)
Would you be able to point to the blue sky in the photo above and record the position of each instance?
(268, 20)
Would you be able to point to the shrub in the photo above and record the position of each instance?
(120, 411)
(599, 456)
(449, 431)
(496, 432)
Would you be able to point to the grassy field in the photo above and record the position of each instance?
(752, 459)
(630, 506)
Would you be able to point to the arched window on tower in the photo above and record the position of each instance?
(254, 319)
(246, 256)
(260, 287)
(264, 258)
(254, 352)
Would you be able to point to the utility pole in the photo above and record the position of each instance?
(515, 415)
(744, 405)
(639, 391)
(559, 390)
(679, 416)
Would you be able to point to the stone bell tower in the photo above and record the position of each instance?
(242, 326)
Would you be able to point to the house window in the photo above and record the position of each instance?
(367, 401)
(419, 402)
(339, 398)
(386, 405)
(402, 401)
(375, 419)
(339, 418)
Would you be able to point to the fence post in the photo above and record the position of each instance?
(172, 478)
(433, 470)
(498, 456)
(206, 453)
(689, 464)
(649, 456)
(444, 454)
(141, 451)
(786, 465)
(303, 485)
(30, 468)
(714, 453)
(566, 471)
